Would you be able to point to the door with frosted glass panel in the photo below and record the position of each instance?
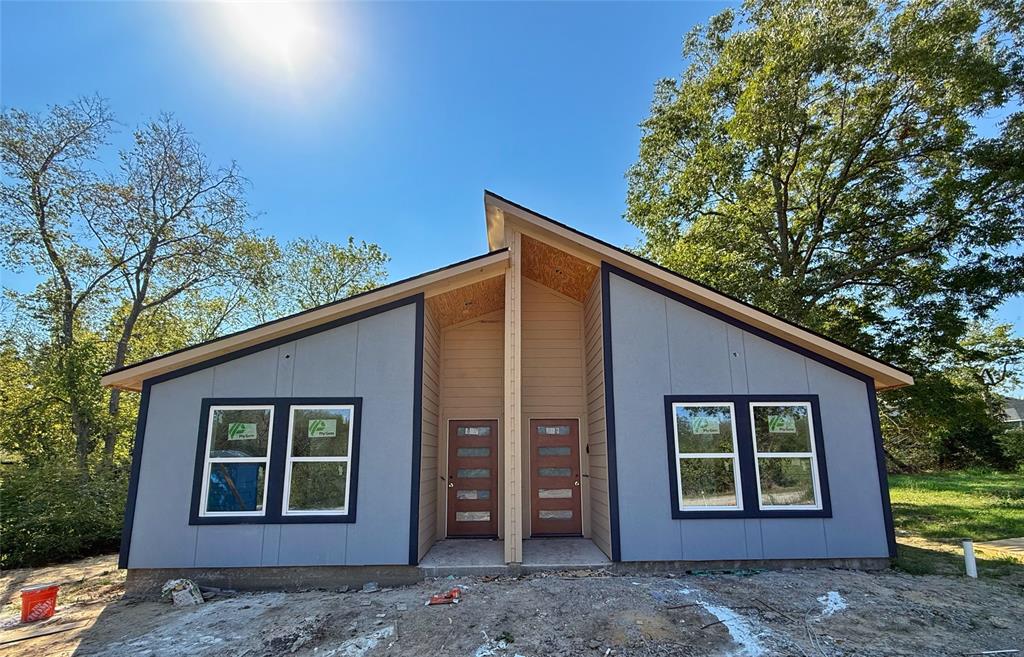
(473, 478)
(555, 478)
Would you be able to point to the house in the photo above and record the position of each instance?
(1013, 413)
(556, 386)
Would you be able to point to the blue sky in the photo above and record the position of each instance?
(392, 119)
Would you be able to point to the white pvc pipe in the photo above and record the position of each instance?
(969, 563)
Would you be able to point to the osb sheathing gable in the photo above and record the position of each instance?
(465, 303)
(557, 269)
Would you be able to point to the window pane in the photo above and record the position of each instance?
(235, 487)
(704, 429)
(555, 514)
(553, 430)
(473, 494)
(474, 451)
(707, 482)
(473, 473)
(782, 429)
(554, 493)
(320, 431)
(554, 472)
(473, 431)
(786, 481)
(472, 516)
(240, 433)
(317, 486)
(553, 451)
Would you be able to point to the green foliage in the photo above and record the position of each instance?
(819, 159)
(1011, 443)
(155, 257)
(50, 513)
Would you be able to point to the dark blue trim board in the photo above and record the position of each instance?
(133, 481)
(417, 438)
(745, 445)
(273, 512)
(883, 471)
(609, 413)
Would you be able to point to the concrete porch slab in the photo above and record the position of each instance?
(469, 556)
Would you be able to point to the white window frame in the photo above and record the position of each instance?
(734, 455)
(813, 454)
(208, 461)
(289, 460)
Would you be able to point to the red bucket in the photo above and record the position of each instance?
(38, 602)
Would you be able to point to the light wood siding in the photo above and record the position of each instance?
(553, 385)
(472, 387)
(600, 525)
(430, 443)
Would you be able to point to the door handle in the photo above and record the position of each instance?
(576, 483)
(451, 484)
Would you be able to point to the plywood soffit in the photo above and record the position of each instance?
(558, 270)
(468, 302)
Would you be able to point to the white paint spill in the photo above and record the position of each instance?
(741, 631)
(832, 602)
(685, 591)
(361, 645)
(491, 648)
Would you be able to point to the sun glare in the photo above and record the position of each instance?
(280, 35)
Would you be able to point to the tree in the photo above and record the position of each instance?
(819, 159)
(183, 223)
(43, 159)
(311, 272)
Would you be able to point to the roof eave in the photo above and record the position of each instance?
(500, 211)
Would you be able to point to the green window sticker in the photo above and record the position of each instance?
(241, 431)
(323, 428)
(781, 424)
(704, 426)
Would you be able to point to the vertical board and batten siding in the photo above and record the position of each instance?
(472, 387)
(597, 439)
(372, 358)
(661, 347)
(429, 454)
(553, 368)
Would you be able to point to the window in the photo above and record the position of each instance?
(319, 458)
(706, 457)
(236, 460)
(785, 455)
(276, 460)
(746, 456)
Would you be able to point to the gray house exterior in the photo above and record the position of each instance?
(554, 387)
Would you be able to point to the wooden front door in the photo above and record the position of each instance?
(555, 506)
(473, 478)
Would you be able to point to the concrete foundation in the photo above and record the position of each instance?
(147, 581)
(460, 558)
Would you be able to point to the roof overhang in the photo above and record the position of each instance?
(502, 214)
(429, 284)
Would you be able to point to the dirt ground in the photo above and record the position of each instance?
(795, 612)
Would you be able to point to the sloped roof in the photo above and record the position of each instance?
(436, 281)
(502, 212)
(1013, 409)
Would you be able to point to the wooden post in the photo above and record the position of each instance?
(513, 395)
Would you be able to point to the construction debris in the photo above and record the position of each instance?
(449, 598)
(182, 592)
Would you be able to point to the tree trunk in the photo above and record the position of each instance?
(114, 403)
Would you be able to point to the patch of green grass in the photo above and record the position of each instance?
(980, 505)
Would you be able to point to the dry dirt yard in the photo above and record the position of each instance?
(793, 612)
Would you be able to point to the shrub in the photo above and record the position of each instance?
(1012, 444)
(49, 513)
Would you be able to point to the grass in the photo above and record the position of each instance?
(932, 512)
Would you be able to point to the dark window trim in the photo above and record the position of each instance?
(275, 474)
(745, 445)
